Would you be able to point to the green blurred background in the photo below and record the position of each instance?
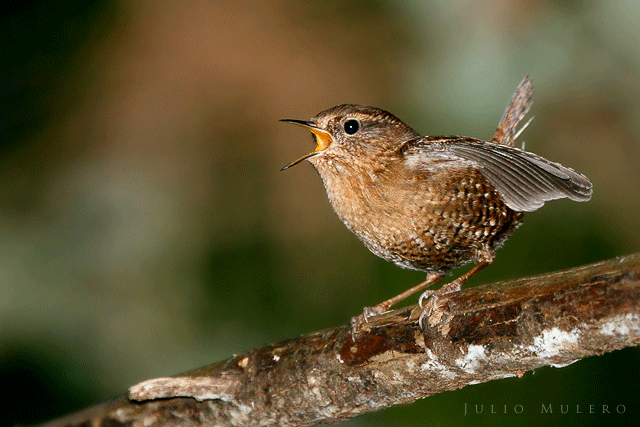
(145, 228)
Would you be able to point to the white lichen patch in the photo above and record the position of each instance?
(432, 363)
(470, 361)
(553, 341)
(621, 325)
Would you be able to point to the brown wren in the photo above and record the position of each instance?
(432, 203)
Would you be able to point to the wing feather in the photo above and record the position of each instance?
(524, 180)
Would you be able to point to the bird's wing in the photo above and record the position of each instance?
(524, 180)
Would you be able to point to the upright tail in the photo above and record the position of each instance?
(506, 133)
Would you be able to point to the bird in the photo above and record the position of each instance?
(432, 203)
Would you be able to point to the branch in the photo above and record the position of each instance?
(484, 333)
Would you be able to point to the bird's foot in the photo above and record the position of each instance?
(430, 309)
(367, 313)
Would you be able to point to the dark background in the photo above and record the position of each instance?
(145, 228)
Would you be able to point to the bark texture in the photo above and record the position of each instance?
(476, 335)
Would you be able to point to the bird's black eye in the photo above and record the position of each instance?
(351, 126)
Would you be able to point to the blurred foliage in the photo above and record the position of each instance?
(145, 228)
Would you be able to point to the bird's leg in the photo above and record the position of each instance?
(432, 278)
(454, 286)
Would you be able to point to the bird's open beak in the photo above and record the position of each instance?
(323, 140)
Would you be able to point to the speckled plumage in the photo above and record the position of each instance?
(428, 220)
(437, 202)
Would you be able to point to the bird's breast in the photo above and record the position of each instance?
(426, 221)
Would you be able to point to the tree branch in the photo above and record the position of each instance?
(480, 334)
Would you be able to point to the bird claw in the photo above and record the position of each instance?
(367, 313)
(429, 307)
(421, 318)
(432, 298)
(356, 321)
(425, 295)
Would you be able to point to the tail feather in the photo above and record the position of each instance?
(506, 133)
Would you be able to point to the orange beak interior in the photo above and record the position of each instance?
(323, 140)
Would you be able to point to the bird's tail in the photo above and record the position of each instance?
(506, 133)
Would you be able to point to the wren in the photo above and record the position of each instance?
(432, 203)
